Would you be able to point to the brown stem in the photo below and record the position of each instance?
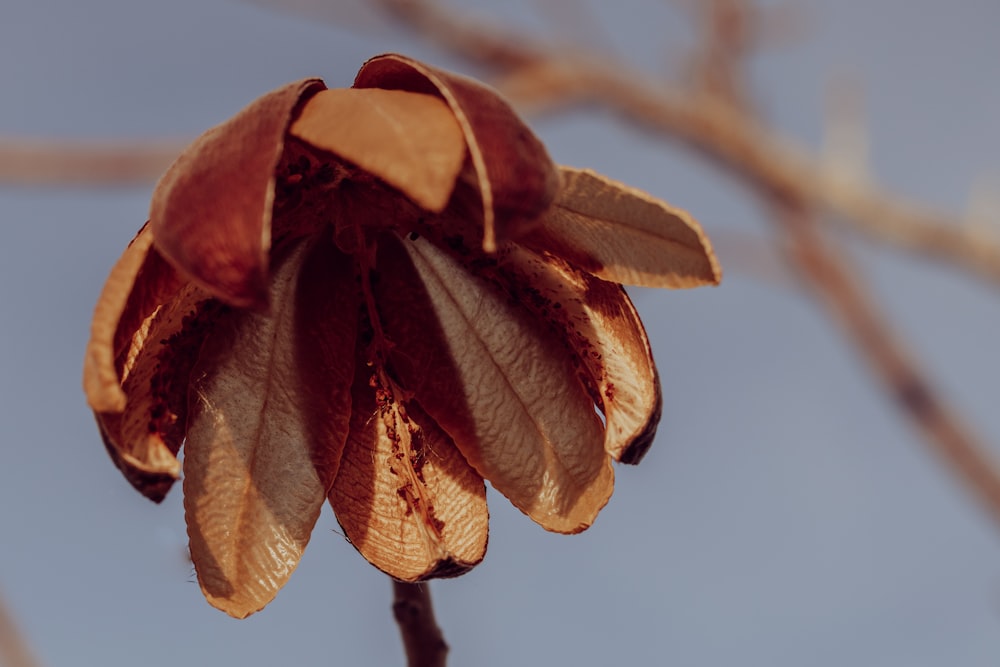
(14, 650)
(66, 162)
(422, 638)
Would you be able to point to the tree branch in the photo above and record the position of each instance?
(14, 651)
(544, 76)
(53, 162)
(834, 283)
(422, 638)
(798, 187)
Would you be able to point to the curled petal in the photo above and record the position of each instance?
(252, 486)
(498, 382)
(624, 235)
(405, 496)
(101, 378)
(600, 324)
(211, 211)
(137, 400)
(409, 140)
(143, 440)
(515, 177)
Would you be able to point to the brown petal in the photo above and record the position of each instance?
(409, 140)
(498, 381)
(599, 322)
(405, 496)
(101, 379)
(516, 179)
(624, 235)
(253, 486)
(144, 438)
(211, 211)
(139, 309)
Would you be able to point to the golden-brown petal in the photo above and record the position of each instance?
(252, 489)
(517, 180)
(142, 305)
(624, 235)
(498, 381)
(600, 324)
(150, 468)
(405, 496)
(409, 140)
(143, 440)
(101, 379)
(157, 284)
(211, 211)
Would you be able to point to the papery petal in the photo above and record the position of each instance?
(624, 235)
(405, 496)
(253, 488)
(327, 305)
(498, 382)
(409, 140)
(600, 324)
(211, 211)
(136, 402)
(143, 440)
(515, 177)
(157, 284)
(101, 378)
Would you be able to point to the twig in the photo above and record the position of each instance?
(796, 185)
(14, 650)
(885, 353)
(547, 76)
(53, 162)
(422, 638)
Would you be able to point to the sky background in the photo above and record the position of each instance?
(786, 514)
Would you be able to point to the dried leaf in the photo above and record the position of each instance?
(226, 177)
(516, 179)
(498, 382)
(624, 235)
(252, 491)
(410, 141)
(405, 496)
(600, 324)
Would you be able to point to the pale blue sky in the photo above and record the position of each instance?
(785, 517)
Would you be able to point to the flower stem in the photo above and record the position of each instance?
(422, 638)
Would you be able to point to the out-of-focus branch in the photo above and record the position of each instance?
(845, 297)
(14, 650)
(718, 122)
(53, 162)
(422, 638)
(544, 76)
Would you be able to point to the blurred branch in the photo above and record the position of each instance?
(422, 638)
(14, 650)
(715, 119)
(54, 162)
(547, 77)
(820, 262)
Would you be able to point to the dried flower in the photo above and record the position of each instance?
(380, 297)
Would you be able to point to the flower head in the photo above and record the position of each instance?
(380, 297)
